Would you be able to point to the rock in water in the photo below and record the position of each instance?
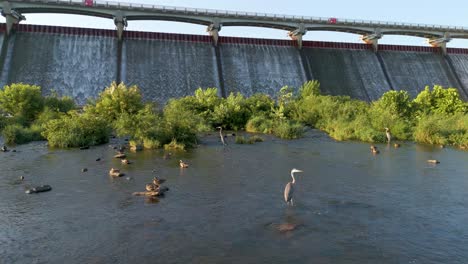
(38, 189)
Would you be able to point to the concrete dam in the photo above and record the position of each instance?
(81, 62)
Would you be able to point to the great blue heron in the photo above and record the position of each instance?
(389, 136)
(289, 189)
(221, 135)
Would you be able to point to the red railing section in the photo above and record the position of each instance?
(222, 40)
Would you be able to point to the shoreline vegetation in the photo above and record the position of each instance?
(435, 116)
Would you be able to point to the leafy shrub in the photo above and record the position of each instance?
(396, 103)
(149, 143)
(288, 129)
(21, 100)
(174, 145)
(260, 104)
(232, 112)
(439, 101)
(76, 130)
(240, 140)
(115, 100)
(442, 129)
(59, 104)
(309, 88)
(17, 134)
(260, 124)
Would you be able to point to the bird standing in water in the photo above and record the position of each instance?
(221, 135)
(289, 189)
(389, 136)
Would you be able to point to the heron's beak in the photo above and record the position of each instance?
(299, 171)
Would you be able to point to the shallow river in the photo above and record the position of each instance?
(227, 207)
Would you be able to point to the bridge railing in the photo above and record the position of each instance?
(221, 13)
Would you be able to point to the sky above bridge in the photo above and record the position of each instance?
(448, 12)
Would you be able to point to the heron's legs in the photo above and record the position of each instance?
(292, 202)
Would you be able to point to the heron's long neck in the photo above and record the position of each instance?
(294, 180)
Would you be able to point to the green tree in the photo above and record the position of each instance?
(115, 100)
(440, 101)
(22, 101)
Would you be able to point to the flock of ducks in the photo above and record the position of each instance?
(151, 189)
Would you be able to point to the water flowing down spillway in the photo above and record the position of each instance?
(460, 66)
(412, 71)
(356, 73)
(165, 69)
(251, 69)
(81, 62)
(80, 66)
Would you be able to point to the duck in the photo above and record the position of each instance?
(396, 145)
(151, 187)
(125, 161)
(157, 181)
(4, 148)
(183, 164)
(120, 155)
(374, 149)
(115, 173)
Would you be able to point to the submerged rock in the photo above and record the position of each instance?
(38, 189)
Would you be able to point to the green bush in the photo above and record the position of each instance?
(260, 124)
(76, 130)
(59, 104)
(439, 101)
(260, 104)
(288, 129)
(21, 101)
(149, 143)
(17, 134)
(232, 112)
(175, 146)
(443, 129)
(241, 140)
(115, 100)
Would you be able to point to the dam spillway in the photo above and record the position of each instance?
(81, 62)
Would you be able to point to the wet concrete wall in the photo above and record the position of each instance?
(251, 69)
(82, 62)
(80, 66)
(165, 69)
(412, 71)
(356, 73)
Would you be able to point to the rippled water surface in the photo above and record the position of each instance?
(227, 207)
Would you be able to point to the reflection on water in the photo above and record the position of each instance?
(228, 207)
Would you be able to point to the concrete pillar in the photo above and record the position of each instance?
(373, 39)
(213, 29)
(120, 22)
(11, 16)
(297, 34)
(440, 42)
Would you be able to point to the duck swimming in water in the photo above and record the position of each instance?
(374, 149)
(157, 181)
(183, 164)
(151, 187)
(115, 173)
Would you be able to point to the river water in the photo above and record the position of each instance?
(227, 207)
